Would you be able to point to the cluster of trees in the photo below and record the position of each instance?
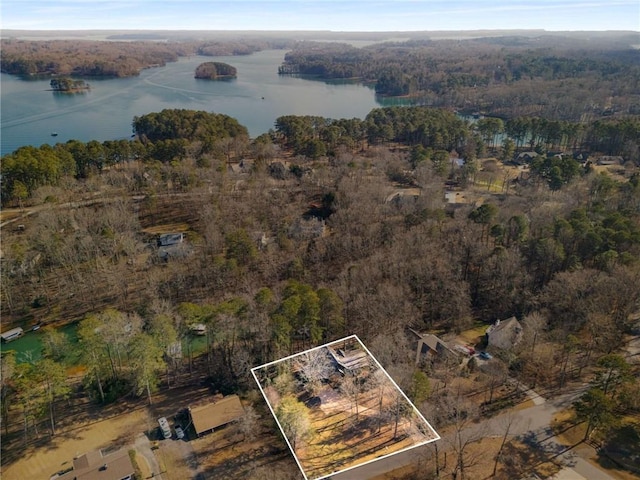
(443, 131)
(611, 396)
(35, 387)
(483, 73)
(189, 125)
(165, 136)
(214, 70)
(503, 255)
(432, 133)
(610, 136)
(129, 353)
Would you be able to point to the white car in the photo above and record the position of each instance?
(179, 432)
(164, 427)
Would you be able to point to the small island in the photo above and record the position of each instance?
(215, 71)
(68, 85)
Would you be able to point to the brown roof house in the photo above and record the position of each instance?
(525, 157)
(96, 466)
(430, 347)
(213, 415)
(504, 334)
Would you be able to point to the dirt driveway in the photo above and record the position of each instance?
(42, 463)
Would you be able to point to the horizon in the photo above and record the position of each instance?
(336, 16)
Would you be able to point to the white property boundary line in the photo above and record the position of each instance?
(415, 410)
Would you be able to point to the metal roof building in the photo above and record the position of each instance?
(214, 415)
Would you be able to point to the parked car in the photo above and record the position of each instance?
(464, 349)
(164, 427)
(485, 356)
(179, 432)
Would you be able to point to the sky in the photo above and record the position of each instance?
(335, 15)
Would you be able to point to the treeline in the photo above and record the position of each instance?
(84, 58)
(442, 130)
(112, 58)
(163, 137)
(176, 134)
(485, 75)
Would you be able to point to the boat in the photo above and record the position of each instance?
(54, 134)
(12, 334)
(198, 329)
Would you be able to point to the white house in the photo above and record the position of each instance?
(504, 334)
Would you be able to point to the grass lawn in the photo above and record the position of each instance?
(474, 335)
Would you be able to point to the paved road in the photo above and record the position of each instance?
(532, 423)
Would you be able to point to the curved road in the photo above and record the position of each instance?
(533, 422)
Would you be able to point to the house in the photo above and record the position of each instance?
(168, 239)
(610, 160)
(348, 359)
(581, 157)
(213, 415)
(430, 347)
(525, 157)
(455, 160)
(504, 334)
(172, 245)
(96, 466)
(12, 334)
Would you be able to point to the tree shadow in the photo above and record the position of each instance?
(621, 449)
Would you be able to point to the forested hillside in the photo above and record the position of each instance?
(410, 218)
(112, 58)
(550, 76)
(505, 254)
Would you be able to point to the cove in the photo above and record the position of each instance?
(31, 112)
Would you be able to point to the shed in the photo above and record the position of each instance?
(610, 160)
(12, 334)
(213, 415)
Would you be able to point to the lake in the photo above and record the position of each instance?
(28, 348)
(31, 112)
